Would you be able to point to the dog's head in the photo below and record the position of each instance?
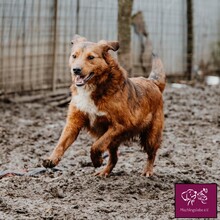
(88, 60)
(189, 195)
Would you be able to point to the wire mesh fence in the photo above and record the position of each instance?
(26, 45)
(35, 37)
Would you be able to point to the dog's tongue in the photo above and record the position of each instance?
(79, 80)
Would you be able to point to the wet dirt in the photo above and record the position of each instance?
(190, 153)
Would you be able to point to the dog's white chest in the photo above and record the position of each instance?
(85, 104)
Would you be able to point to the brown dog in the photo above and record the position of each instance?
(113, 107)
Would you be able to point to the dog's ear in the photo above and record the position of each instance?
(77, 38)
(184, 196)
(109, 45)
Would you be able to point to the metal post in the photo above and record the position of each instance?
(77, 17)
(54, 46)
(190, 38)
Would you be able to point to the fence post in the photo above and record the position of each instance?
(190, 38)
(124, 33)
(77, 16)
(54, 46)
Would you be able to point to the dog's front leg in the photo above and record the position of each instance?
(104, 143)
(75, 121)
(113, 158)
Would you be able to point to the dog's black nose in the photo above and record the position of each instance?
(77, 71)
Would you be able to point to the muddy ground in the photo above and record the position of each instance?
(190, 153)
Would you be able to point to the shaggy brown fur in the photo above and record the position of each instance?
(113, 107)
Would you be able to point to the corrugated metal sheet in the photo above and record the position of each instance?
(207, 30)
(26, 45)
(166, 25)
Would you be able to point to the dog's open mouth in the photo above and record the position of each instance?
(81, 80)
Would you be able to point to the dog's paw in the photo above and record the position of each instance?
(148, 173)
(96, 158)
(102, 173)
(48, 163)
(97, 162)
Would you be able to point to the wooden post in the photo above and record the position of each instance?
(124, 33)
(190, 38)
(54, 46)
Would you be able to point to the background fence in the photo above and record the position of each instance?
(35, 37)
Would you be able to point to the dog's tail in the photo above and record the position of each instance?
(157, 74)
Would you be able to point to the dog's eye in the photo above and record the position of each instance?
(91, 57)
(73, 56)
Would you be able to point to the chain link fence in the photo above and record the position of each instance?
(35, 37)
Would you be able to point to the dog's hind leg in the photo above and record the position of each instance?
(113, 158)
(151, 141)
